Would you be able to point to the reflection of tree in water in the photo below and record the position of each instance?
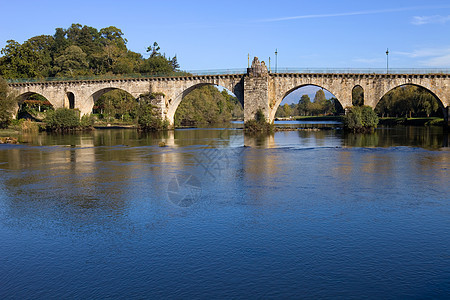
(81, 185)
(432, 137)
(361, 139)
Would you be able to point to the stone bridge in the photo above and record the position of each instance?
(257, 89)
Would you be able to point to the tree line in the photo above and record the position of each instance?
(409, 101)
(81, 51)
(305, 107)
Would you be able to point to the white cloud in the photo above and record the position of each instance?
(355, 13)
(429, 57)
(437, 19)
(424, 52)
(439, 61)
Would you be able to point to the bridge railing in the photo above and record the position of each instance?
(364, 71)
(240, 71)
(134, 75)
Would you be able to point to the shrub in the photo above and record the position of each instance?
(148, 121)
(360, 119)
(259, 124)
(62, 119)
(87, 121)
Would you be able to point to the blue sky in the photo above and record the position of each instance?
(219, 34)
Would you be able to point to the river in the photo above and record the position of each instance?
(219, 214)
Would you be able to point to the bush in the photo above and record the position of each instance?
(147, 120)
(259, 124)
(62, 119)
(360, 119)
(87, 121)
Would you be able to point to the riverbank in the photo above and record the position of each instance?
(312, 118)
(432, 121)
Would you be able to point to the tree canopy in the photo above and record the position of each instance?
(207, 105)
(304, 107)
(408, 101)
(80, 50)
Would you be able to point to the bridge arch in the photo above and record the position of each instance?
(128, 102)
(439, 101)
(176, 101)
(358, 95)
(284, 94)
(69, 100)
(32, 106)
(98, 93)
(25, 95)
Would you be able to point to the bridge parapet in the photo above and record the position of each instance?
(256, 89)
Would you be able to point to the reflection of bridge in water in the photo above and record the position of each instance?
(255, 89)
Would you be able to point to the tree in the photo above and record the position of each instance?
(175, 64)
(360, 119)
(303, 105)
(113, 35)
(147, 115)
(287, 110)
(157, 65)
(103, 51)
(29, 60)
(72, 62)
(8, 104)
(205, 105)
(154, 50)
(320, 98)
(408, 101)
(358, 96)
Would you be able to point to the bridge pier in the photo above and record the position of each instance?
(256, 91)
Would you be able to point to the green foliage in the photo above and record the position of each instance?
(303, 105)
(62, 119)
(320, 106)
(206, 105)
(8, 103)
(358, 96)
(73, 62)
(80, 51)
(408, 101)
(259, 124)
(360, 119)
(319, 98)
(148, 121)
(87, 121)
(117, 104)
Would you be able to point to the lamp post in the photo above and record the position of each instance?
(276, 60)
(387, 61)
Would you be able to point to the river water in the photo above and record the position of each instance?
(218, 214)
